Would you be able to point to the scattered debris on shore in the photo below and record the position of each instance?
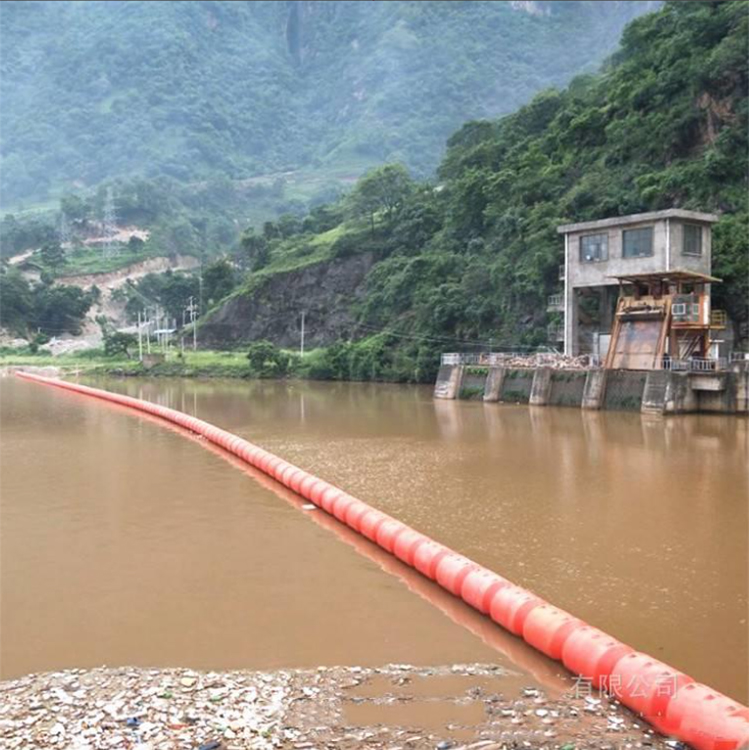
(397, 707)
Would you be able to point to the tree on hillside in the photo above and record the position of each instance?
(176, 291)
(17, 302)
(60, 309)
(74, 207)
(255, 248)
(382, 190)
(218, 281)
(52, 255)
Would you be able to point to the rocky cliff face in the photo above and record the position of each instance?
(325, 292)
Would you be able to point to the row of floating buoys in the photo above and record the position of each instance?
(670, 700)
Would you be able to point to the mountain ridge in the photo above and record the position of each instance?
(99, 90)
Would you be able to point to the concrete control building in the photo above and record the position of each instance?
(602, 255)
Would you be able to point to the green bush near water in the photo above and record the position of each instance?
(471, 392)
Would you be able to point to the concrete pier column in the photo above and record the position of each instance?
(571, 321)
(448, 381)
(494, 383)
(741, 387)
(593, 390)
(679, 397)
(654, 392)
(540, 387)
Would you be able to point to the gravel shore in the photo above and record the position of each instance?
(398, 707)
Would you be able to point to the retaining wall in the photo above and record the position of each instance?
(624, 390)
(516, 388)
(473, 383)
(651, 392)
(567, 388)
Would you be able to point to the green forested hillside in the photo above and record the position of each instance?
(472, 258)
(92, 91)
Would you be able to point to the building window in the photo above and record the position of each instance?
(638, 243)
(692, 239)
(594, 248)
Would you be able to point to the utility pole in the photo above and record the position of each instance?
(148, 329)
(200, 283)
(182, 335)
(302, 336)
(192, 310)
(140, 339)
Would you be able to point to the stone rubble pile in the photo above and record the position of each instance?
(539, 359)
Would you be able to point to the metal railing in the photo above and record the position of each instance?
(555, 302)
(555, 332)
(695, 364)
(719, 318)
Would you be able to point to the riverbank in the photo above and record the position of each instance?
(463, 706)
(366, 360)
(199, 364)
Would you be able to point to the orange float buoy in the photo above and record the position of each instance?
(511, 606)
(341, 506)
(451, 572)
(706, 719)
(370, 522)
(355, 513)
(479, 586)
(406, 545)
(547, 628)
(329, 496)
(646, 685)
(428, 556)
(388, 532)
(592, 654)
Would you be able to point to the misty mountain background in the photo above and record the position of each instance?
(92, 91)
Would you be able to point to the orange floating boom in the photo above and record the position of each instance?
(671, 701)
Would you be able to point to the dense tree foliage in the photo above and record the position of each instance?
(208, 90)
(219, 280)
(382, 190)
(50, 309)
(170, 292)
(267, 360)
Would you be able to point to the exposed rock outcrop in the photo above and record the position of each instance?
(324, 291)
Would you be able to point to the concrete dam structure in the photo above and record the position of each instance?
(487, 378)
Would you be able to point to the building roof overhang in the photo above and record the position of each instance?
(617, 221)
(667, 276)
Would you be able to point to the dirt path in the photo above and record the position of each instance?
(114, 279)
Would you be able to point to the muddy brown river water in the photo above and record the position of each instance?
(123, 542)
